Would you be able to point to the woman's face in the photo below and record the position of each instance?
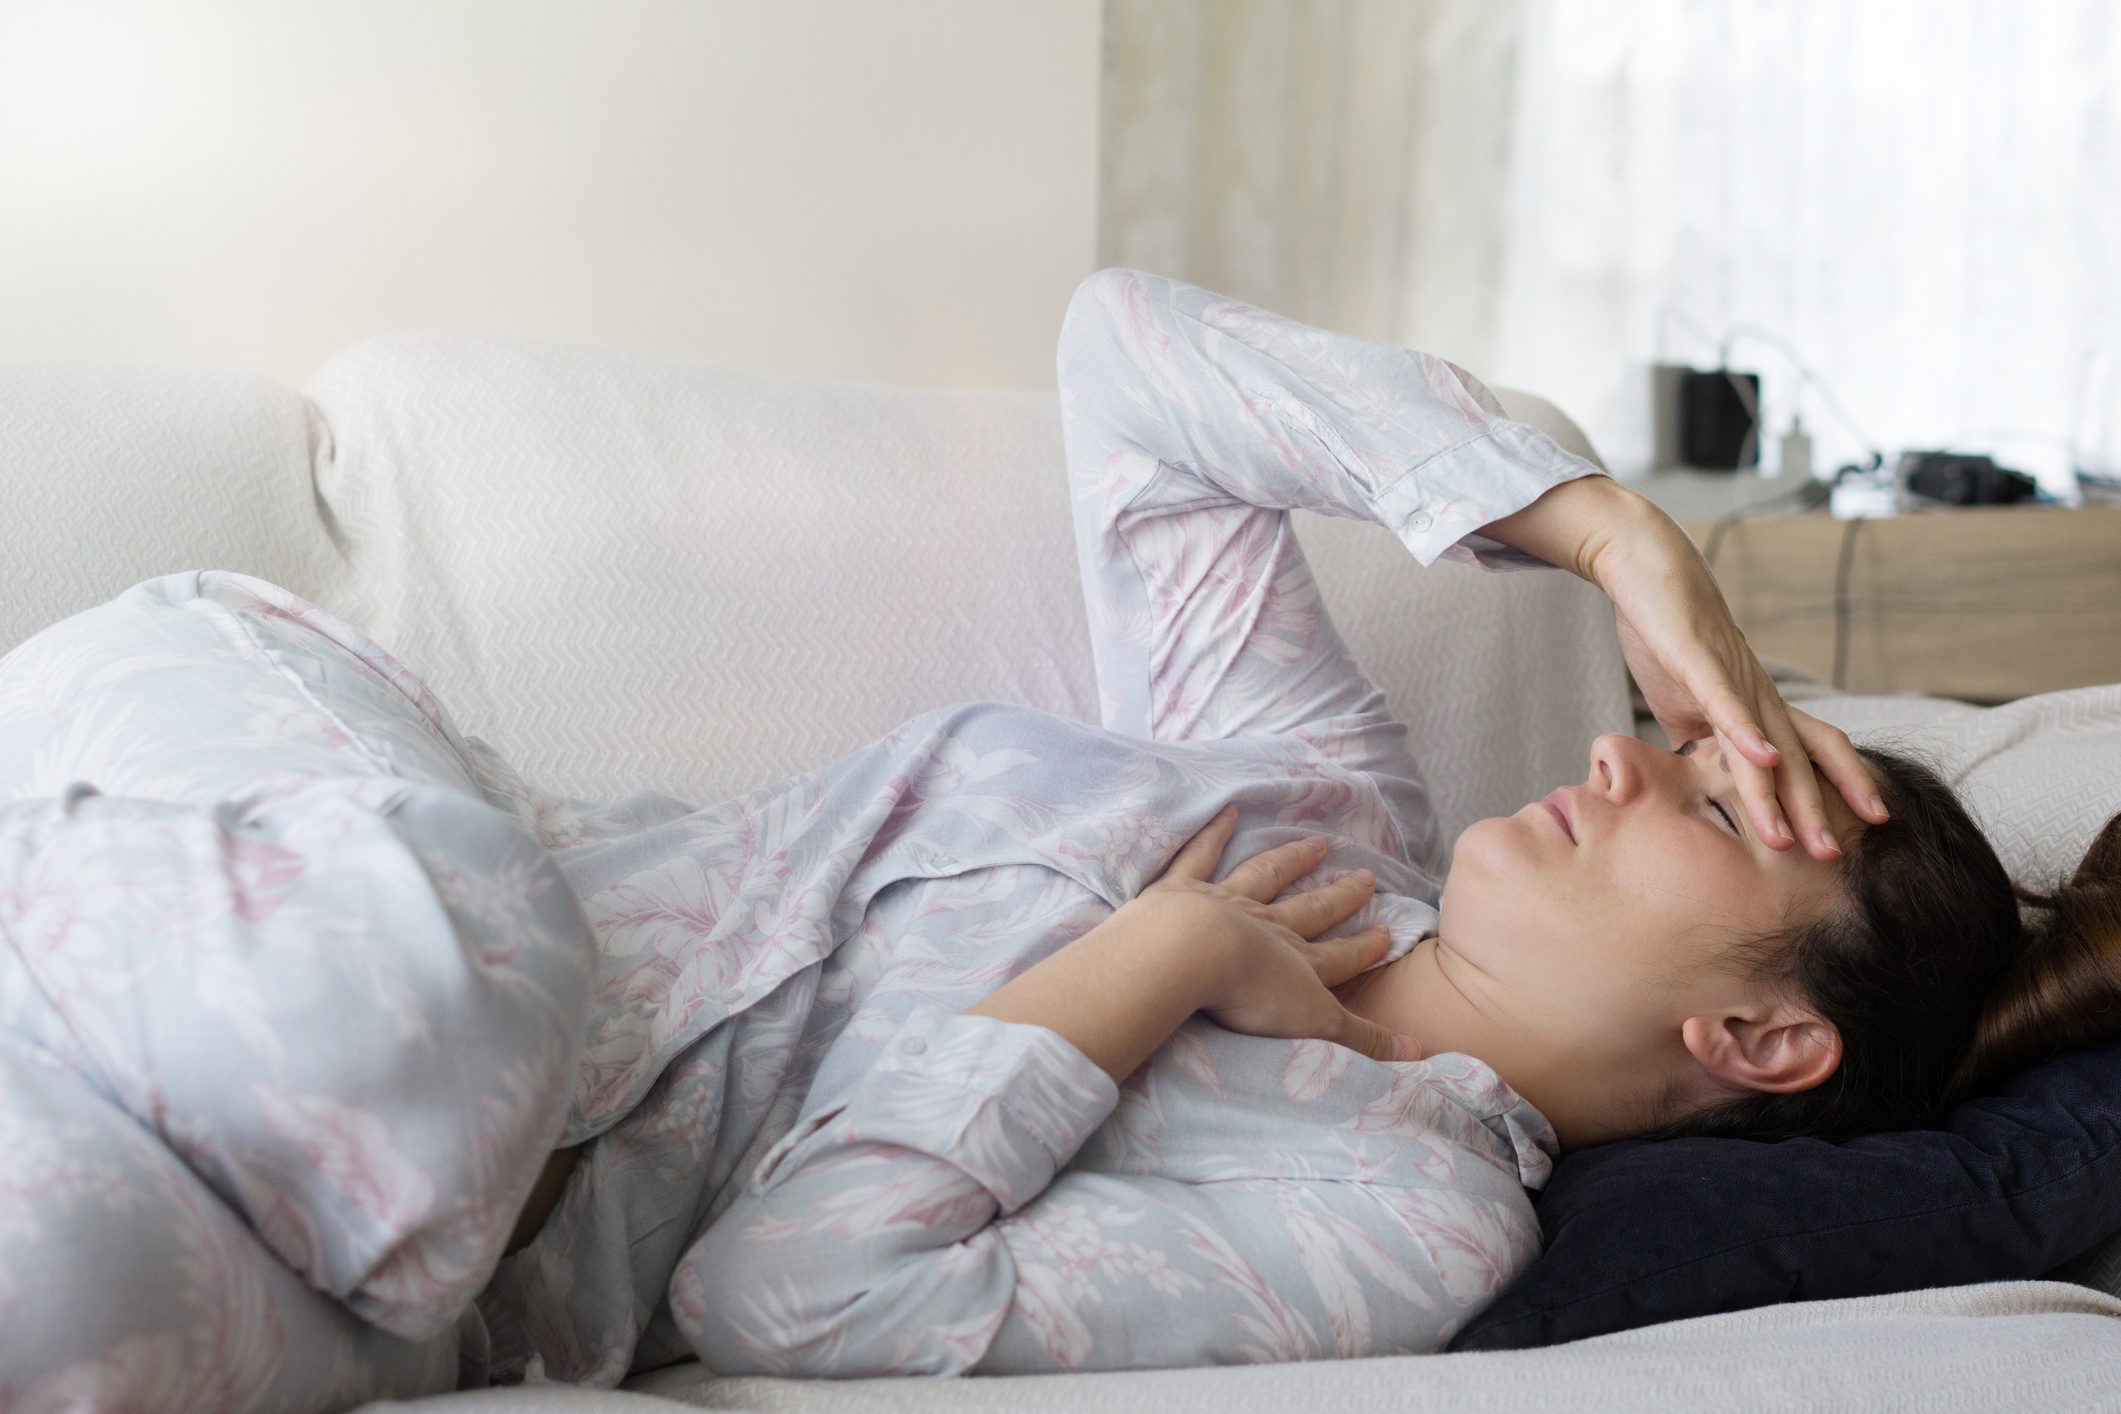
(1603, 944)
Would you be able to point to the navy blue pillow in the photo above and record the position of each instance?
(2023, 1180)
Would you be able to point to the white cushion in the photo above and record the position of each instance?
(2040, 775)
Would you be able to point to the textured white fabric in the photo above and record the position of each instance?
(111, 474)
(626, 571)
(1994, 1346)
(2040, 775)
(633, 571)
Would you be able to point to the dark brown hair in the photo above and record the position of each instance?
(1939, 985)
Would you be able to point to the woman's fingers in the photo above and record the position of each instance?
(1337, 960)
(1796, 784)
(1756, 791)
(1315, 910)
(1197, 857)
(1262, 877)
(1807, 750)
(1783, 799)
(1836, 758)
(1732, 718)
(1266, 875)
(1731, 714)
(1359, 1033)
(1754, 744)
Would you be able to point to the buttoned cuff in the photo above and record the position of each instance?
(1435, 507)
(1007, 1103)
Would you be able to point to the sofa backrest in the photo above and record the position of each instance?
(115, 473)
(628, 571)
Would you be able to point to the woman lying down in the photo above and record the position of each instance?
(1011, 1044)
(1284, 1101)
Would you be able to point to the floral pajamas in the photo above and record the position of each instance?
(271, 1106)
(806, 1160)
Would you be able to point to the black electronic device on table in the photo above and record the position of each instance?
(1962, 479)
(1704, 419)
(1718, 430)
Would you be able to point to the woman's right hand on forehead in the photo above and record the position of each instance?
(1701, 677)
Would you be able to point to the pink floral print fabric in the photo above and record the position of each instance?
(803, 1159)
(290, 997)
(298, 985)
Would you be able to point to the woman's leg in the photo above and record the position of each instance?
(352, 1011)
(126, 1282)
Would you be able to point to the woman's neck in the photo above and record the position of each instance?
(1447, 1004)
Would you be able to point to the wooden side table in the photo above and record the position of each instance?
(1980, 603)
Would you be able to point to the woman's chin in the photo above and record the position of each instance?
(1497, 866)
(1502, 845)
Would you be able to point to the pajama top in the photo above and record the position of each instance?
(804, 1159)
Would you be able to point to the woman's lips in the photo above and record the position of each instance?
(1563, 810)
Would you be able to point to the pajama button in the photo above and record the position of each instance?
(1421, 522)
(912, 1046)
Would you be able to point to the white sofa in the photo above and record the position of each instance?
(627, 571)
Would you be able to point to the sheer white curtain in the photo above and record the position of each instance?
(1920, 199)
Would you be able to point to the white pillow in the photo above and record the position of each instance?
(2040, 775)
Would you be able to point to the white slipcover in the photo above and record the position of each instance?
(629, 571)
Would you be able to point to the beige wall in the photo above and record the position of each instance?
(899, 192)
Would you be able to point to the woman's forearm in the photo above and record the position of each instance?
(1120, 990)
(1571, 525)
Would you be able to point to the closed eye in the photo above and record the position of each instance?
(1729, 823)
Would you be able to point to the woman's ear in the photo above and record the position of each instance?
(1787, 1050)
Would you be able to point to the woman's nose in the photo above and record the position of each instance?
(1613, 773)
